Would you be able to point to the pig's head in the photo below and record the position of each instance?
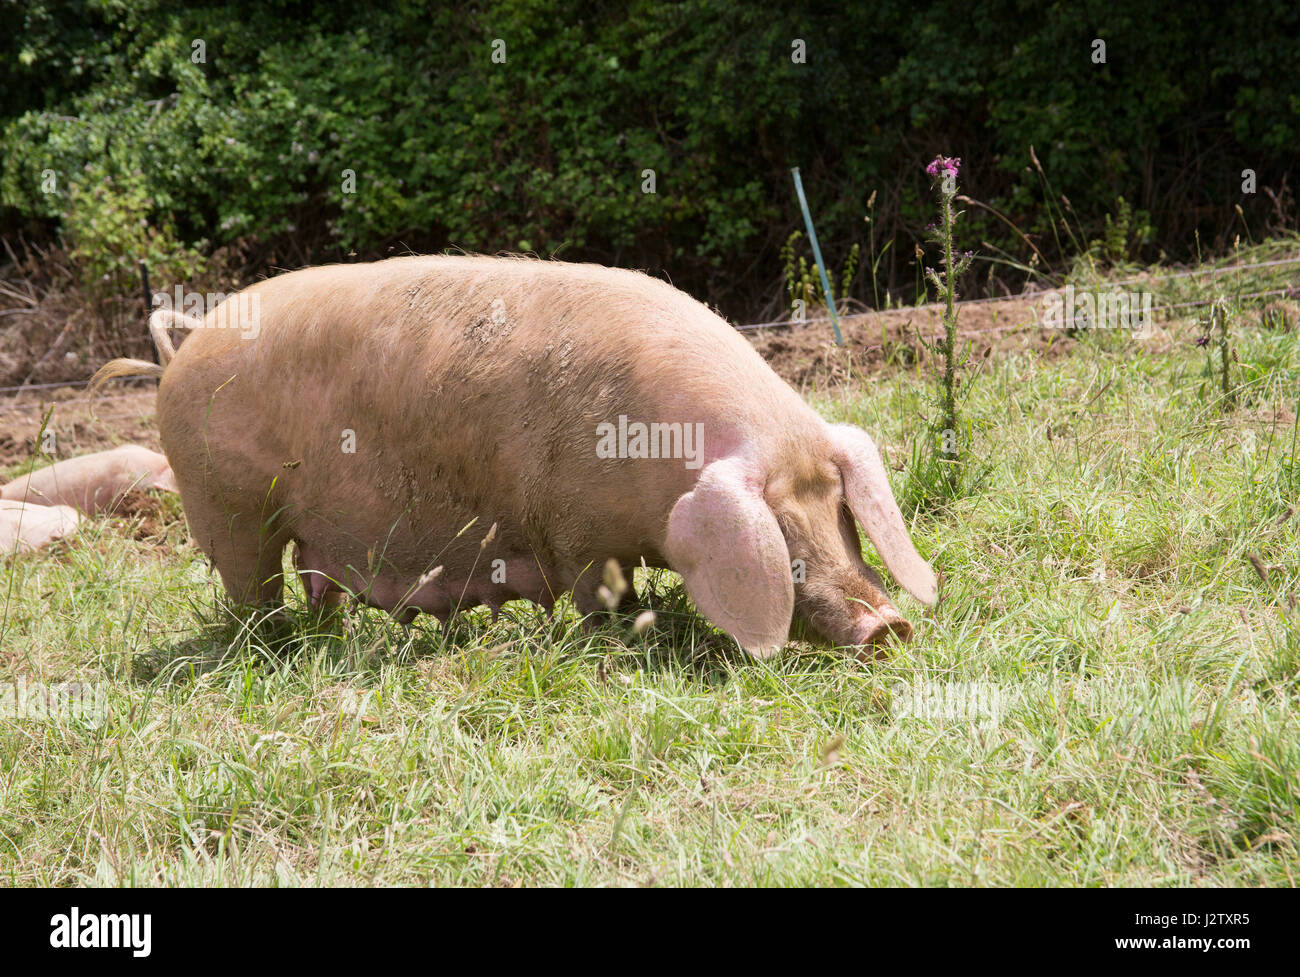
(757, 548)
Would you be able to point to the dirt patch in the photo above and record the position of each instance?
(806, 354)
(147, 515)
(121, 416)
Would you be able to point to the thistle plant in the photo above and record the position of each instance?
(1217, 334)
(1225, 351)
(1217, 331)
(944, 468)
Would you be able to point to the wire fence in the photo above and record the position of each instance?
(79, 384)
(1027, 296)
(1035, 296)
(898, 310)
(37, 405)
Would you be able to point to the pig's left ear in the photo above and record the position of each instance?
(726, 543)
(166, 481)
(872, 503)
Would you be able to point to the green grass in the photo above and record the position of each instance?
(1098, 591)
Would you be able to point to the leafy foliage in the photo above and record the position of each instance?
(551, 150)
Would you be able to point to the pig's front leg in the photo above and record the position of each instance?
(596, 587)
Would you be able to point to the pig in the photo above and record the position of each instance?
(25, 527)
(92, 483)
(439, 432)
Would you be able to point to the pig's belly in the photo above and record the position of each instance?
(494, 580)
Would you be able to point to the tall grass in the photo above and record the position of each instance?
(1107, 695)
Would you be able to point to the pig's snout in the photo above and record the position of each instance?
(848, 608)
(874, 627)
(854, 623)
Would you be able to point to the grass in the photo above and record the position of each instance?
(1105, 696)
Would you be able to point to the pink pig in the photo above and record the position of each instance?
(93, 482)
(383, 416)
(25, 527)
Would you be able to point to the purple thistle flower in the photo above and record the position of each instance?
(944, 166)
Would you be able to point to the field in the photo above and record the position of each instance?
(1105, 695)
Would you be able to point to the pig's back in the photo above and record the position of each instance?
(485, 324)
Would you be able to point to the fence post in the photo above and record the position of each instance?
(817, 255)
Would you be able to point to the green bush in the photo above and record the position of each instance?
(548, 152)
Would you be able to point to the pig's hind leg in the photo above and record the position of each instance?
(321, 589)
(248, 554)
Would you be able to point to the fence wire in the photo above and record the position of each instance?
(790, 324)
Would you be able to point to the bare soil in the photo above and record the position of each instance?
(120, 416)
(806, 354)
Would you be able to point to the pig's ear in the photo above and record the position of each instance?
(725, 542)
(872, 504)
